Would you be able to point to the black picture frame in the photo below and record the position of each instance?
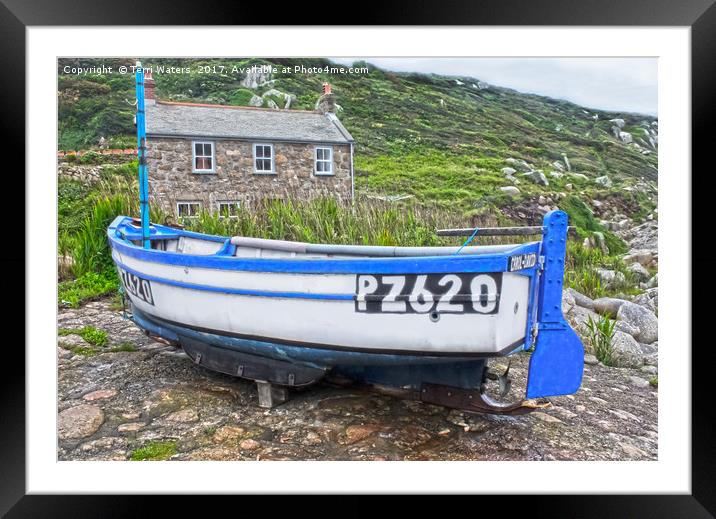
(17, 15)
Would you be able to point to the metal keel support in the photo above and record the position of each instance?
(557, 364)
(271, 395)
(142, 157)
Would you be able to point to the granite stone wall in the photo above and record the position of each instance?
(171, 179)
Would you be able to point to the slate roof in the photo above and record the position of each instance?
(219, 121)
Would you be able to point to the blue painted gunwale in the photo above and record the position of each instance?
(399, 265)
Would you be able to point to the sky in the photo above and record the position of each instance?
(613, 84)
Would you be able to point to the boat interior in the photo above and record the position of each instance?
(184, 242)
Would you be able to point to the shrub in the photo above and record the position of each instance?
(600, 334)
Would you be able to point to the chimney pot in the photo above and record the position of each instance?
(149, 87)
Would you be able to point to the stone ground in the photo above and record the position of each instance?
(113, 403)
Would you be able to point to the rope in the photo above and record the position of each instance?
(467, 242)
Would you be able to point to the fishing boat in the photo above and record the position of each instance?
(420, 320)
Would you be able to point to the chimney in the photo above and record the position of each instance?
(150, 96)
(327, 102)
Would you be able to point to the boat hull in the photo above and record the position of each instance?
(320, 310)
(290, 313)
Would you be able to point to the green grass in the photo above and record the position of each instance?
(89, 333)
(155, 451)
(88, 287)
(80, 350)
(600, 334)
(123, 346)
(581, 272)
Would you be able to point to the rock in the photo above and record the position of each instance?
(79, 421)
(249, 445)
(643, 257)
(568, 187)
(539, 178)
(639, 272)
(556, 174)
(228, 432)
(256, 100)
(626, 137)
(642, 318)
(545, 417)
(631, 450)
(625, 327)
(184, 416)
(567, 301)
(639, 382)
(579, 176)
(100, 394)
(653, 282)
(510, 190)
(580, 299)
(509, 171)
(580, 316)
(130, 427)
(597, 203)
(590, 359)
(649, 370)
(628, 352)
(557, 164)
(356, 433)
(619, 123)
(603, 181)
(520, 164)
(610, 278)
(566, 162)
(648, 299)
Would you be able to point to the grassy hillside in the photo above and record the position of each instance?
(441, 139)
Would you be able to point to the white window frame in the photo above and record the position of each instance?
(236, 203)
(329, 161)
(194, 157)
(190, 202)
(273, 160)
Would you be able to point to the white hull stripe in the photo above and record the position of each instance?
(238, 291)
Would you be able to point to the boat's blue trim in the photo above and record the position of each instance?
(401, 265)
(237, 291)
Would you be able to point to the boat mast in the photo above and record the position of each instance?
(141, 155)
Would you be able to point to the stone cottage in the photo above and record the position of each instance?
(216, 158)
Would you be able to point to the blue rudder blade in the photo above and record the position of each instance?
(557, 364)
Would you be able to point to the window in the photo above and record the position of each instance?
(188, 209)
(263, 158)
(324, 161)
(203, 157)
(228, 209)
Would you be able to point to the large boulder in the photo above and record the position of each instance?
(619, 123)
(580, 299)
(608, 305)
(642, 318)
(510, 190)
(626, 137)
(538, 177)
(628, 352)
(639, 272)
(648, 299)
(643, 257)
(519, 164)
